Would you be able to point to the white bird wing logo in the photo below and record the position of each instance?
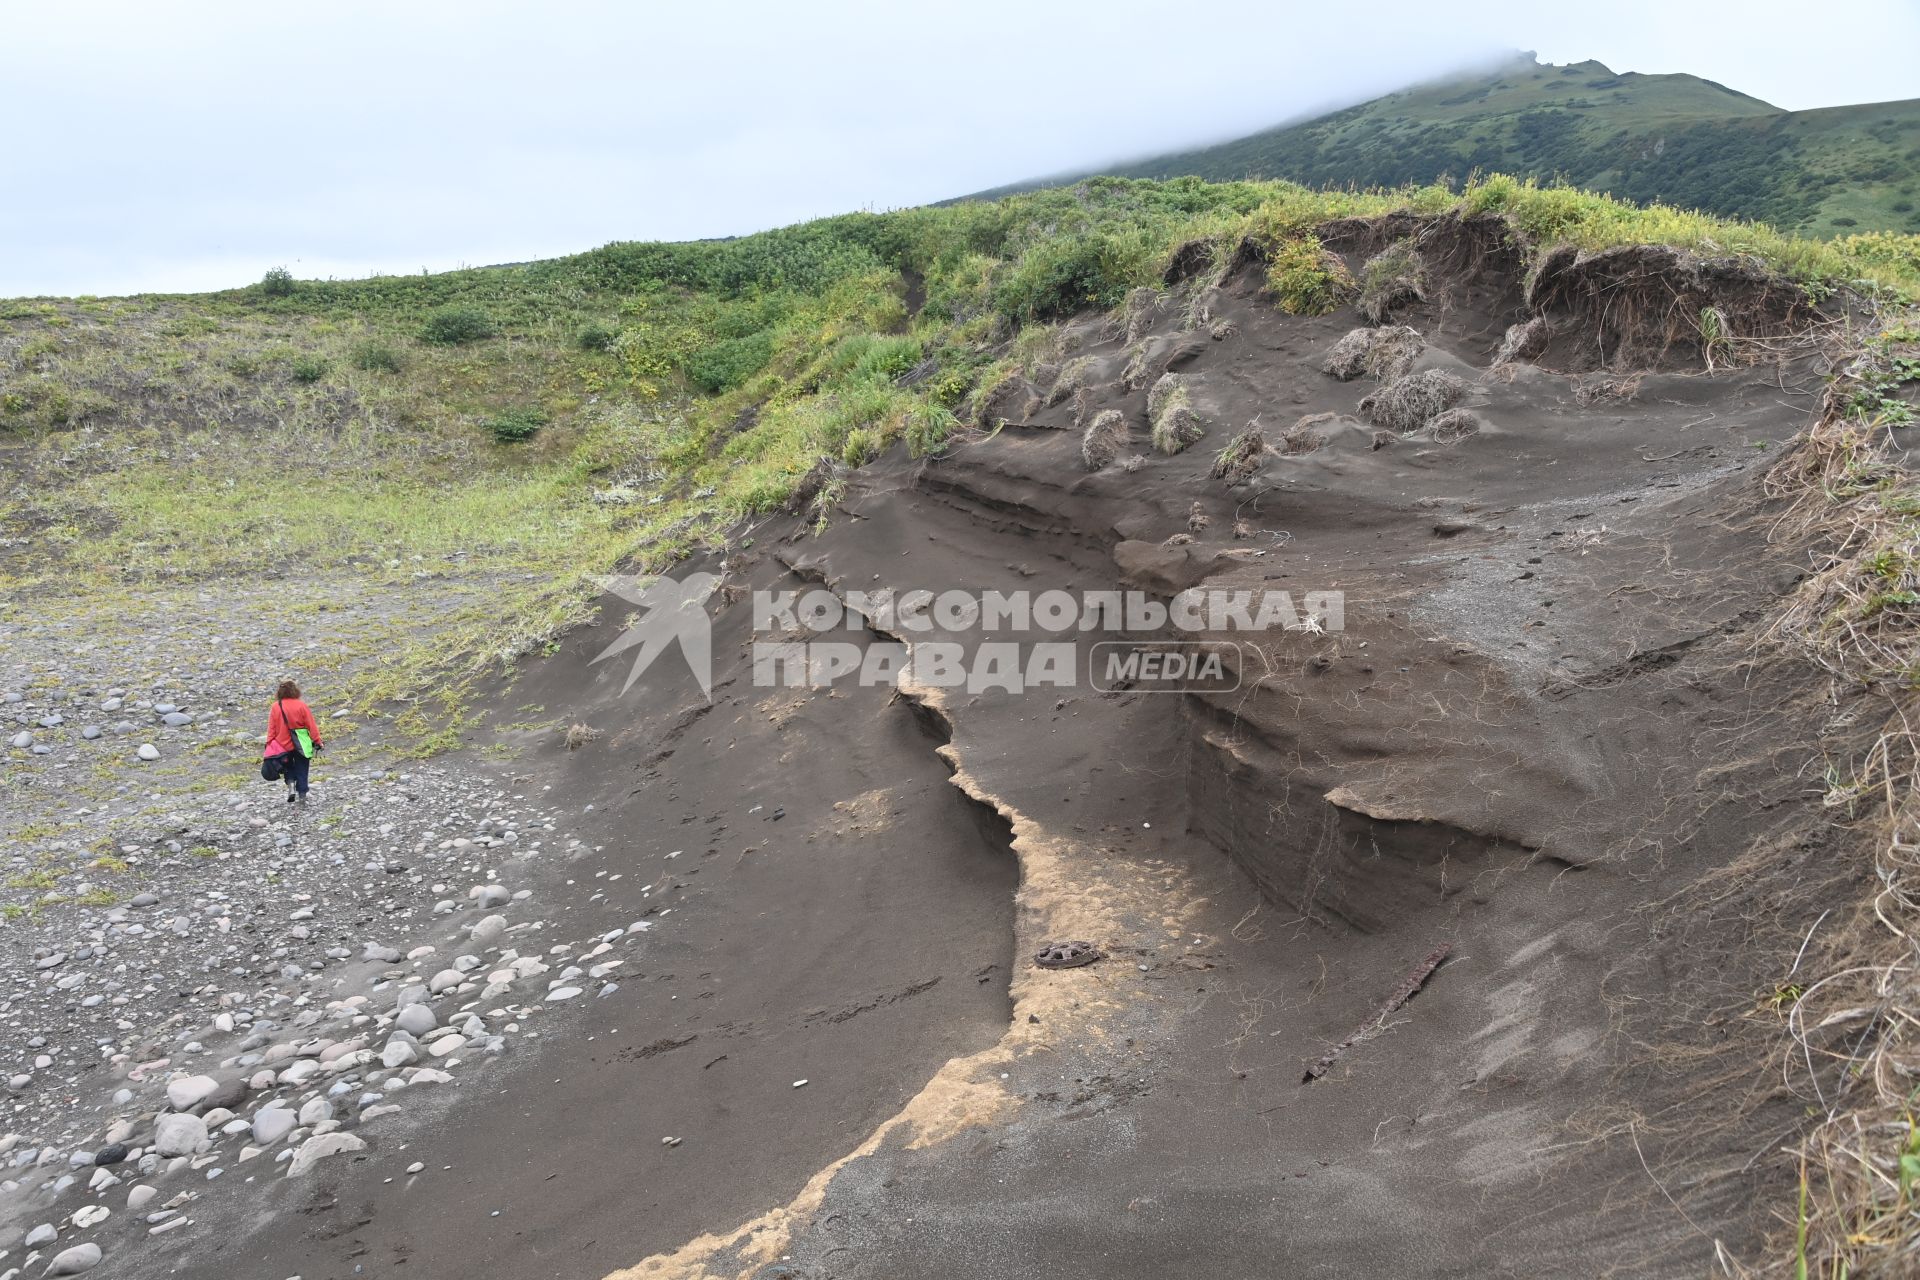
(677, 615)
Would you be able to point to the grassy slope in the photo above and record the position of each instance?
(677, 390)
(1676, 139)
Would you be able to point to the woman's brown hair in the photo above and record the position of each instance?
(288, 689)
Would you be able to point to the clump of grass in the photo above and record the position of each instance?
(1105, 437)
(1170, 411)
(928, 428)
(863, 446)
(454, 325)
(579, 735)
(1394, 277)
(1242, 457)
(1524, 341)
(1409, 403)
(1384, 353)
(1302, 437)
(1170, 388)
(1307, 278)
(1007, 398)
(1137, 314)
(1072, 377)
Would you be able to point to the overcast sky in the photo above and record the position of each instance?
(194, 145)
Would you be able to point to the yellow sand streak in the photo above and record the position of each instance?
(1060, 896)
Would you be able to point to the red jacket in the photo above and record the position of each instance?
(279, 736)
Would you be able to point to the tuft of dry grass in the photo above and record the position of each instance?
(1524, 342)
(1170, 411)
(1242, 457)
(1850, 1046)
(1302, 438)
(1105, 437)
(579, 735)
(1408, 404)
(1394, 277)
(1071, 380)
(1385, 353)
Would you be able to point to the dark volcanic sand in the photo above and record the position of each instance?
(1547, 736)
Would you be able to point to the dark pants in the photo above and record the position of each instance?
(294, 768)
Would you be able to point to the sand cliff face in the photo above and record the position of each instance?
(1547, 737)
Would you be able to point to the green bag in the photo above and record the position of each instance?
(302, 740)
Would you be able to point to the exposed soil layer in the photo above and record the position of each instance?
(1547, 736)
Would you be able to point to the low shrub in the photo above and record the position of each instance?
(1307, 279)
(730, 362)
(277, 283)
(309, 368)
(511, 426)
(451, 326)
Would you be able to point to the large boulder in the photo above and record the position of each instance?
(178, 1134)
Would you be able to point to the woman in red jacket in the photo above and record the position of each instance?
(288, 714)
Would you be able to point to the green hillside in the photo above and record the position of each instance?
(1676, 139)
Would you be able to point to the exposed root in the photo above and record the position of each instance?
(1645, 306)
(1593, 390)
(1453, 426)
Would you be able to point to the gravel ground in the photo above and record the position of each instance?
(200, 976)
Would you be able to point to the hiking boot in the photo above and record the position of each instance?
(291, 797)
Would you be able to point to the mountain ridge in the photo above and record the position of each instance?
(1669, 138)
